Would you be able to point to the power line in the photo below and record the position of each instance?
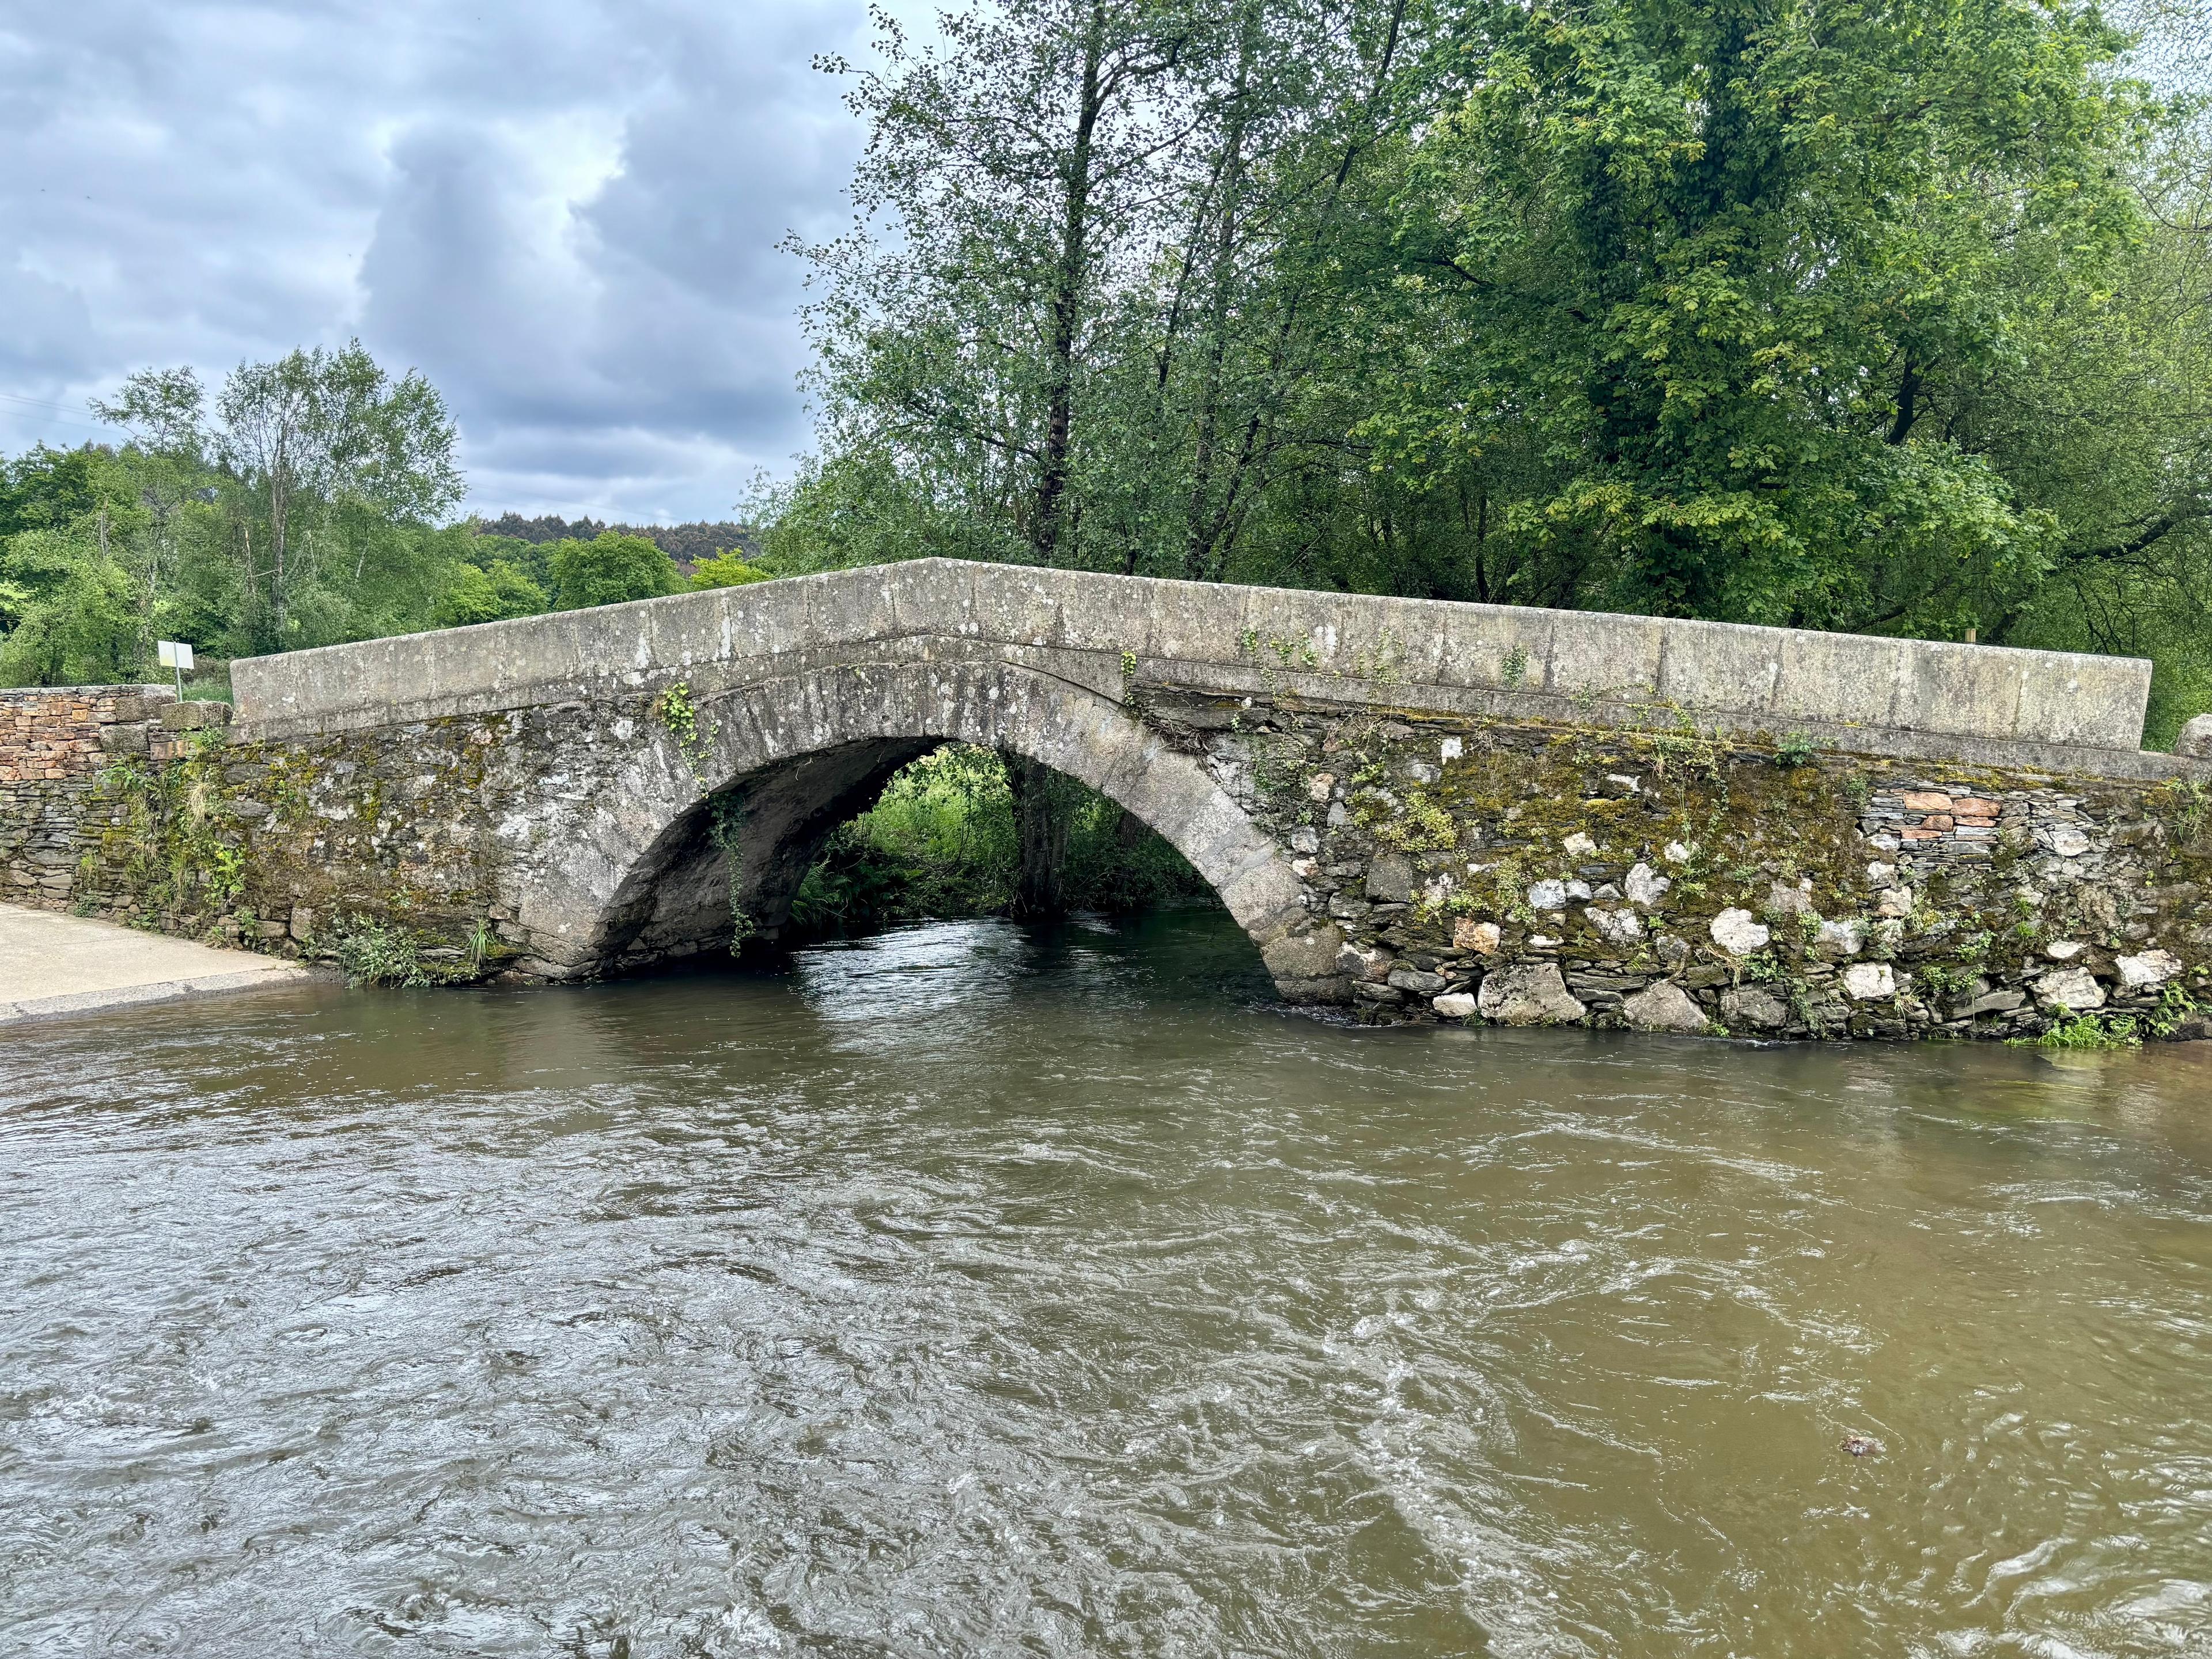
(61, 409)
(40, 403)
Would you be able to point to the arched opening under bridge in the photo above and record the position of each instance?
(775, 768)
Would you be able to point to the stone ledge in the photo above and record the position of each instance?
(1372, 650)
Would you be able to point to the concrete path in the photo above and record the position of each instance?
(55, 964)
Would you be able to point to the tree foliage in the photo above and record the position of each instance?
(1886, 317)
(307, 502)
(610, 569)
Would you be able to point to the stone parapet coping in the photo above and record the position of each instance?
(1981, 704)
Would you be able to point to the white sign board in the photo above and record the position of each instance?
(175, 654)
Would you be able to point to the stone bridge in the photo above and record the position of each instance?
(1428, 808)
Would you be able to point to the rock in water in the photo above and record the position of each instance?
(1531, 994)
(1664, 1007)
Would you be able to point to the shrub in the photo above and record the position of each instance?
(610, 569)
(731, 570)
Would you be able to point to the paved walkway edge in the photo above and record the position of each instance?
(167, 990)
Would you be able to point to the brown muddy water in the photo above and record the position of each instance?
(970, 1292)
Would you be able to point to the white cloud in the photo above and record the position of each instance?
(566, 213)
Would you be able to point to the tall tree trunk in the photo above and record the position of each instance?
(1202, 536)
(1279, 377)
(1044, 804)
(280, 502)
(1068, 294)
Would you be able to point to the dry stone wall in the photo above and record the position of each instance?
(163, 818)
(56, 744)
(1663, 879)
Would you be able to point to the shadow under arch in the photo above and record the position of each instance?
(778, 764)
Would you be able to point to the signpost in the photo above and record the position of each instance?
(178, 655)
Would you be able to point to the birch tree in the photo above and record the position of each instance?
(301, 440)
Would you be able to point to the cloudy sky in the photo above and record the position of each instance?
(565, 213)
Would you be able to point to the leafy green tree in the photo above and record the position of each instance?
(610, 569)
(76, 616)
(489, 594)
(1739, 275)
(320, 455)
(530, 559)
(1007, 196)
(73, 605)
(47, 486)
(728, 570)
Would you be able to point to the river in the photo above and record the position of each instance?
(967, 1290)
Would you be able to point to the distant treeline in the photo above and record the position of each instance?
(301, 502)
(686, 543)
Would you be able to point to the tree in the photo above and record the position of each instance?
(321, 447)
(610, 569)
(47, 486)
(69, 608)
(1740, 274)
(728, 571)
(1007, 197)
(494, 593)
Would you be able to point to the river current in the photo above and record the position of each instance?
(967, 1290)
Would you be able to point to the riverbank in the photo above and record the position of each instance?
(58, 964)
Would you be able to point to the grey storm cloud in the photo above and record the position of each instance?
(567, 214)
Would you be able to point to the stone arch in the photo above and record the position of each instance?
(779, 764)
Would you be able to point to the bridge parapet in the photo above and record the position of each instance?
(1906, 697)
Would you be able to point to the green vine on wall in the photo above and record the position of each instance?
(725, 828)
(177, 853)
(675, 710)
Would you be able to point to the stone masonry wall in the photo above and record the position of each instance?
(130, 807)
(1665, 880)
(1511, 871)
(55, 742)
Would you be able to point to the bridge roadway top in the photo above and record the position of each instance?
(1973, 704)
